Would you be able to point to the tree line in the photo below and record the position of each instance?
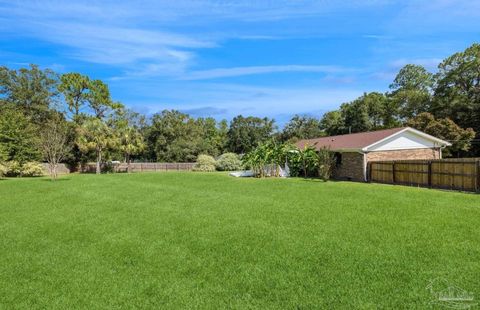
(73, 118)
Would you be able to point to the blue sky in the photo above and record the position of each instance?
(221, 58)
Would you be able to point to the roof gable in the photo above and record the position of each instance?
(388, 139)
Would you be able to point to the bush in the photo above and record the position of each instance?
(204, 163)
(229, 162)
(31, 169)
(326, 162)
(15, 169)
(3, 170)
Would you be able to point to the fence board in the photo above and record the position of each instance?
(457, 174)
(144, 167)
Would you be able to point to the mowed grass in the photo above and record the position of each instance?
(193, 240)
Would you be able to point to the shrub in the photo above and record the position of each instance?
(31, 169)
(13, 168)
(229, 162)
(3, 170)
(326, 161)
(204, 163)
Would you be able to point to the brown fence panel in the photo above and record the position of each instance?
(381, 172)
(456, 174)
(143, 167)
(459, 175)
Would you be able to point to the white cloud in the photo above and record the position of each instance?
(236, 99)
(239, 71)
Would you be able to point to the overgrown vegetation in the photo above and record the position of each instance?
(268, 159)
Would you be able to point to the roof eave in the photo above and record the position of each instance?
(415, 131)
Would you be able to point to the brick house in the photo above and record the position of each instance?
(354, 151)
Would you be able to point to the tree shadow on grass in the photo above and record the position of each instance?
(57, 180)
(317, 180)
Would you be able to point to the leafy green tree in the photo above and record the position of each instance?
(99, 99)
(212, 136)
(18, 136)
(302, 127)
(457, 94)
(75, 89)
(412, 90)
(32, 90)
(95, 135)
(371, 111)
(246, 133)
(131, 143)
(128, 126)
(355, 116)
(333, 123)
(445, 129)
(174, 137)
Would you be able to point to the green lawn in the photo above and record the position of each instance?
(193, 240)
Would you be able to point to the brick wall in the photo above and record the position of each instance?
(404, 154)
(351, 167)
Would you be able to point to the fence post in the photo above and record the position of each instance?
(429, 173)
(369, 170)
(477, 172)
(394, 179)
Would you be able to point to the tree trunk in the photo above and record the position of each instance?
(128, 163)
(54, 171)
(99, 160)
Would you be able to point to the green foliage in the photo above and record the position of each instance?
(15, 169)
(333, 123)
(99, 99)
(205, 163)
(246, 133)
(457, 94)
(229, 162)
(411, 91)
(372, 111)
(266, 159)
(302, 127)
(95, 135)
(74, 88)
(3, 170)
(177, 137)
(18, 136)
(445, 129)
(31, 169)
(127, 126)
(325, 164)
(32, 90)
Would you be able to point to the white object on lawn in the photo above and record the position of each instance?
(284, 173)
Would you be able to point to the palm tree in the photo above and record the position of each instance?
(131, 143)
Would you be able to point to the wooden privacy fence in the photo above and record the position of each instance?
(456, 174)
(143, 167)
